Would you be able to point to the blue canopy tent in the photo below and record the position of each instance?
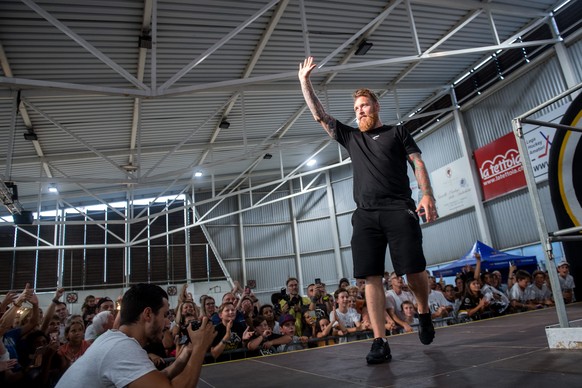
(491, 260)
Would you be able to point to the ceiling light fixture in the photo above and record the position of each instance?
(267, 156)
(224, 124)
(53, 188)
(363, 48)
(312, 162)
(198, 174)
(30, 135)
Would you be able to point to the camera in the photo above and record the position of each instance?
(291, 301)
(184, 337)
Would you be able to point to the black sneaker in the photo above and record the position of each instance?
(425, 329)
(379, 353)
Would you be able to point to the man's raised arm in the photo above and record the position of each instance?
(319, 114)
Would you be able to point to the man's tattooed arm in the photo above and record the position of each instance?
(319, 114)
(421, 174)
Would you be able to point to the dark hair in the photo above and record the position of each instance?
(32, 336)
(291, 279)
(522, 274)
(263, 307)
(103, 300)
(137, 298)
(339, 291)
(258, 320)
(538, 272)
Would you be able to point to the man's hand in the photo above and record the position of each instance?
(427, 207)
(306, 68)
(5, 365)
(204, 336)
(58, 293)
(247, 334)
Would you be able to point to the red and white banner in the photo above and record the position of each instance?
(499, 166)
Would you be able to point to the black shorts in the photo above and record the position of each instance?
(398, 229)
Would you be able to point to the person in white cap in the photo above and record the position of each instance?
(566, 281)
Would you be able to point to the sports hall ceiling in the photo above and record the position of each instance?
(125, 98)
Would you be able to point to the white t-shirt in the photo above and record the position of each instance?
(347, 319)
(516, 293)
(113, 360)
(533, 292)
(394, 301)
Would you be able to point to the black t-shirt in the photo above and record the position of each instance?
(234, 342)
(260, 351)
(380, 163)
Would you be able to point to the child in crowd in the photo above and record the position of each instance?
(410, 315)
(287, 323)
(263, 340)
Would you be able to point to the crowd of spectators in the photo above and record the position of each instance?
(36, 348)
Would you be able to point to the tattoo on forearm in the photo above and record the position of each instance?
(421, 174)
(317, 109)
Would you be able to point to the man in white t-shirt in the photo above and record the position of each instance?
(117, 358)
(394, 298)
(566, 281)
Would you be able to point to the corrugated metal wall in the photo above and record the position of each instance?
(575, 52)
(513, 219)
(448, 239)
(441, 147)
(491, 118)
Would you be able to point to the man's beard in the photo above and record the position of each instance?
(368, 122)
(155, 334)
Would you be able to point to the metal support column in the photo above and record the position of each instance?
(333, 225)
(482, 222)
(540, 221)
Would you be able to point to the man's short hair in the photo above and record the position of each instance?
(290, 280)
(522, 274)
(366, 93)
(339, 291)
(538, 272)
(222, 306)
(103, 300)
(137, 298)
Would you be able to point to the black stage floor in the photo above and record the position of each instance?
(510, 351)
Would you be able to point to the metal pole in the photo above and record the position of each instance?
(540, 222)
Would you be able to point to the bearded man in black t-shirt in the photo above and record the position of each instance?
(386, 215)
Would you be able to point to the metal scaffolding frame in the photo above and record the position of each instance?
(546, 238)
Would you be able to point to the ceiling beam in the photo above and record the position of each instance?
(502, 9)
(216, 46)
(83, 43)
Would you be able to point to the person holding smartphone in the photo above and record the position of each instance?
(117, 357)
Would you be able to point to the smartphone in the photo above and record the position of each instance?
(312, 314)
(54, 336)
(317, 281)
